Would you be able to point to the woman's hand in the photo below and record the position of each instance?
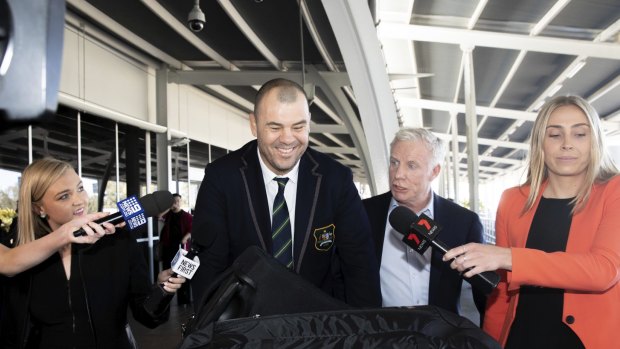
(94, 231)
(169, 283)
(477, 258)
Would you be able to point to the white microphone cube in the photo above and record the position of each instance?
(184, 266)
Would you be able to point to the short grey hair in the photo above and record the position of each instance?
(433, 143)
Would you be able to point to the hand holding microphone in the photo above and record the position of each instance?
(91, 231)
(183, 267)
(185, 263)
(170, 281)
(135, 211)
(421, 232)
(473, 258)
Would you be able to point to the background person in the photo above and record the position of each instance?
(79, 296)
(408, 278)
(235, 205)
(176, 232)
(558, 239)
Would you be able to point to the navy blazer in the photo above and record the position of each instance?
(232, 214)
(459, 226)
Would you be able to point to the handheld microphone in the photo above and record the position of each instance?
(135, 211)
(184, 264)
(422, 230)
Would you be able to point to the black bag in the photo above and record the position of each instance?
(253, 286)
(247, 308)
(415, 327)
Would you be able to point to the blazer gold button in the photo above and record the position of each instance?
(570, 319)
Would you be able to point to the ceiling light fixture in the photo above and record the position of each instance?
(575, 69)
(554, 90)
(538, 105)
(196, 18)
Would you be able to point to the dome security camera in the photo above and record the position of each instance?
(196, 19)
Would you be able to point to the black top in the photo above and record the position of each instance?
(58, 308)
(538, 318)
(174, 234)
(107, 278)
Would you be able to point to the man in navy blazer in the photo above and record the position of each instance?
(408, 278)
(330, 229)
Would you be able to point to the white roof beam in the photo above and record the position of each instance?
(605, 89)
(336, 150)
(484, 168)
(499, 40)
(187, 34)
(476, 15)
(606, 34)
(247, 77)
(486, 141)
(232, 96)
(314, 34)
(319, 103)
(614, 116)
(107, 22)
(337, 129)
(500, 160)
(321, 145)
(246, 29)
(548, 17)
(460, 108)
(349, 162)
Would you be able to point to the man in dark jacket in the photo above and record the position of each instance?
(408, 278)
(277, 178)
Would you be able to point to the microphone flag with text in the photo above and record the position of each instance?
(421, 232)
(135, 212)
(185, 263)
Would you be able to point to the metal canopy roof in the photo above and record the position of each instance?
(523, 52)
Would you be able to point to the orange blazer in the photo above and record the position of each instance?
(588, 270)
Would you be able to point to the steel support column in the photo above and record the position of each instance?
(455, 156)
(471, 123)
(357, 38)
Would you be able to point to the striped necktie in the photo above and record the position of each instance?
(281, 227)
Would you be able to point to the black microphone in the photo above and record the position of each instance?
(423, 230)
(135, 211)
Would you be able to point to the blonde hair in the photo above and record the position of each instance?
(36, 180)
(600, 169)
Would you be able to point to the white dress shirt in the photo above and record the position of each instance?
(290, 190)
(405, 274)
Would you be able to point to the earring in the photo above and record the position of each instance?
(42, 215)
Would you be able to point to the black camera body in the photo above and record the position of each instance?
(31, 45)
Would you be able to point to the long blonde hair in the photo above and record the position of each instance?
(36, 180)
(600, 169)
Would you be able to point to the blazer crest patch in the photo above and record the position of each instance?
(324, 237)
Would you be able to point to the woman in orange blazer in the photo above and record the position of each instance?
(557, 239)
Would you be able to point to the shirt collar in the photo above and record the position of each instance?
(428, 209)
(269, 175)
